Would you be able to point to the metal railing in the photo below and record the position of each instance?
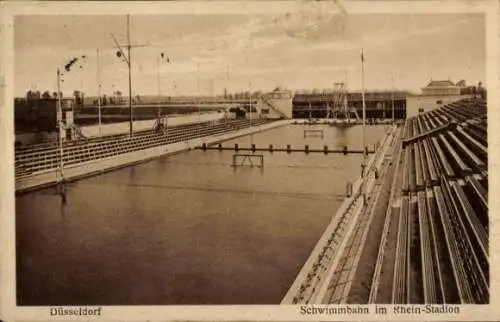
(45, 157)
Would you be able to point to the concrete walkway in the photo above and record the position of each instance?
(345, 217)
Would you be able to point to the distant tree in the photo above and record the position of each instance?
(225, 93)
(38, 95)
(474, 91)
(138, 98)
(46, 95)
(230, 96)
(118, 98)
(481, 91)
(104, 100)
(54, 95)
(30, 95)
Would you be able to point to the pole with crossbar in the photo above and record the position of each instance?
(127, 59)
(129, 78)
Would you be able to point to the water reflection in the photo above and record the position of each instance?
(341, 136)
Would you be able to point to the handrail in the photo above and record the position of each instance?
(42, 161)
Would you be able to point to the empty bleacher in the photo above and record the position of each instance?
(445, 171)
(42, 157)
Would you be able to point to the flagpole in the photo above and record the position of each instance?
(129, 78)
(158, 84)
(128, 59)
(363, 165)
(158, 75)
(227, 80)
(346, 99)
(392, 85)
(250, 110)
(60, 125)
(99, 92)
(198, 94)
(364, 103)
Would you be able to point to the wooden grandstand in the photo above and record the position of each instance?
(45, 157)
(442, 244)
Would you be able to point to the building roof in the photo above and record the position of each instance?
(440, 83)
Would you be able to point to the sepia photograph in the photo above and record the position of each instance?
(293, 157)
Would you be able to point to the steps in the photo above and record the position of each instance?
(44, 157)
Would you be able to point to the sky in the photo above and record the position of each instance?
(304, 49)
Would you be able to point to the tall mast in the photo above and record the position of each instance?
(250, 110)
(364, 121)
(99, 91)
(227, 79)
(128, 60)
(198, 90)
(363, 98)
(346, 103)
(158, 75)
(129, 77)
(60, 124)
(392, 85)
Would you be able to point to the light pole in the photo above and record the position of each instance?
(60, 126)
(228, 83)
(128, 61)
(392, 85)
(158, 76)
(363, 165)
(99, 91)
(250, 102)
(250, 110)
(159, 60)
(363, 98)
(198, 94)
(60, 122)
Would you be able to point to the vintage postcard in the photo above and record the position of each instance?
(249, 160)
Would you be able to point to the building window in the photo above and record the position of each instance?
(420, 110)
(439, 102)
